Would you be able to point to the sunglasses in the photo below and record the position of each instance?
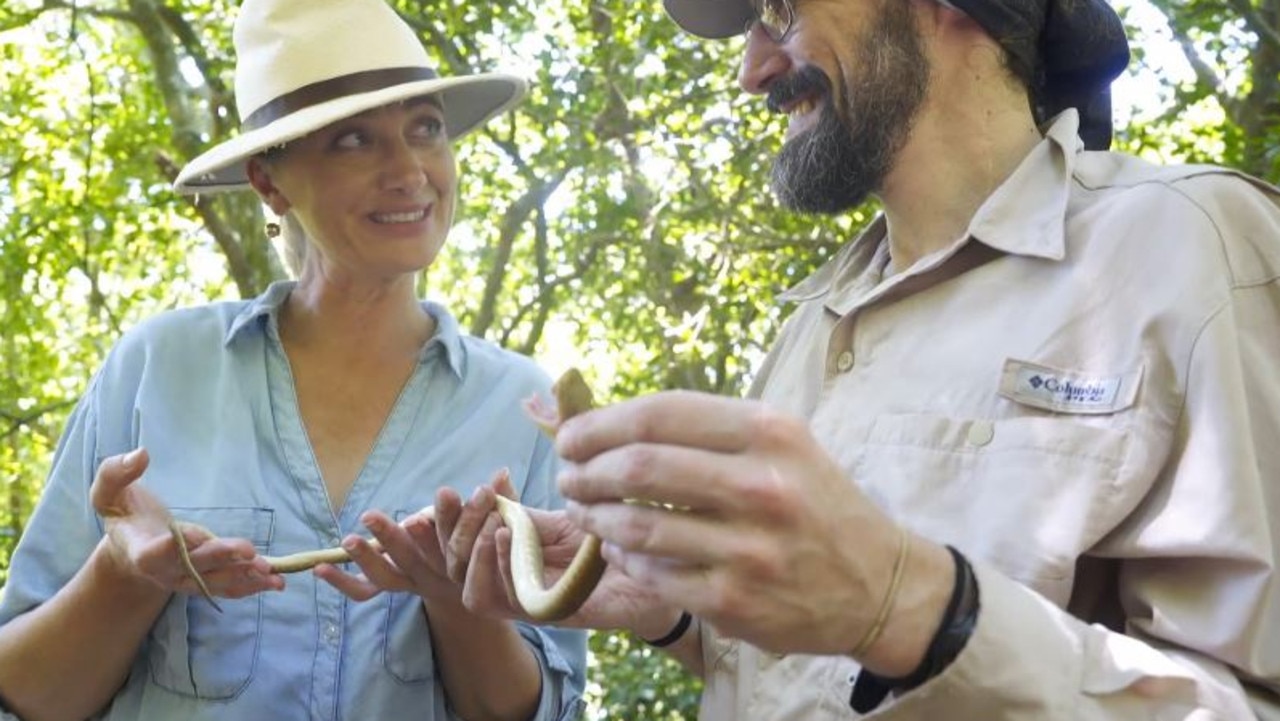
(775, 18)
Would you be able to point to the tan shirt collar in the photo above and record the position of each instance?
(1024, 216)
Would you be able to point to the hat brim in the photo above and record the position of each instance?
(468, 102)
(712, 19)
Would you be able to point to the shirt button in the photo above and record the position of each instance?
(334, 541)
(981, 433)
(331, 632)
(844, 361)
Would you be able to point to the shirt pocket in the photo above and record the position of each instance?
(406, 636)
(196, 651)
(1028, 494)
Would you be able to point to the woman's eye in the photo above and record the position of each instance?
(350, 140)
(430, 127)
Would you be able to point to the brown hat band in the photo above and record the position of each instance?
(332, 89)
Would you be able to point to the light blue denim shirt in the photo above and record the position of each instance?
(208, 392)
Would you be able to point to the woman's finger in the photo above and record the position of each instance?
(448, 510)
(357, 588)
(377, 567)
(498, 597)
(113, 476)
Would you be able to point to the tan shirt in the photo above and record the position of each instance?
(1083, 396)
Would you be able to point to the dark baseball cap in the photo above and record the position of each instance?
(1082, 46)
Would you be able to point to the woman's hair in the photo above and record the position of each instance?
(293, 244)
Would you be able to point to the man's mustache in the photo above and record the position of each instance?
(808, 80)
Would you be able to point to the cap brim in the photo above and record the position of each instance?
(468, 102)
(713, 19)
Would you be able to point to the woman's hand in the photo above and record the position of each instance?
(141, 544)
(410, 559)
(478, 552)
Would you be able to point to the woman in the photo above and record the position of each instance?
(276, 423)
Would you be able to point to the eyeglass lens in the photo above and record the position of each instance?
(774, 17)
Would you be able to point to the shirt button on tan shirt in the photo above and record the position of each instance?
(981, 433)
(844, 362)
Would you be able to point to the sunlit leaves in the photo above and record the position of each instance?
(628, 197)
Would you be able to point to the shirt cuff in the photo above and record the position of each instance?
(992, 674)
(562, 683)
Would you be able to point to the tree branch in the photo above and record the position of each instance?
(515, 217)
(238, 264)
(1205, 75)
(17, 422)
(219, 96)
(1253, 19)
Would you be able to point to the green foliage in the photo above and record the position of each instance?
(619, 221)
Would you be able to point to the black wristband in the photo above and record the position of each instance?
(675, 633)
(953, 633)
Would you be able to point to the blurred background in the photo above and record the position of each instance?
(619, 221)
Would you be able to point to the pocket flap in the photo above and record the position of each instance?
(253, 524)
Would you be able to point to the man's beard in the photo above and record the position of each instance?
(838, 163)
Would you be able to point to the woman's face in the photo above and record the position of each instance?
(374, 192)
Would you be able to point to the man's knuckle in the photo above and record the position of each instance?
(638, 470)
(770, 428)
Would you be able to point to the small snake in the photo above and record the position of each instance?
(562, 599)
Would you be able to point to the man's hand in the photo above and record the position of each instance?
(733, 511)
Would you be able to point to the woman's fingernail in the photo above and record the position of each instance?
(131, 459)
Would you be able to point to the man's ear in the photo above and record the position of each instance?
(259, 173)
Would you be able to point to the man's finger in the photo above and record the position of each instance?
(699, 420)
(685, 537)
(665, 474)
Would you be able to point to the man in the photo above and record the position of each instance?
(1014, 455)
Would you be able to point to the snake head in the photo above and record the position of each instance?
(572, 396)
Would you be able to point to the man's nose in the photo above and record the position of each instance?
(763, 62)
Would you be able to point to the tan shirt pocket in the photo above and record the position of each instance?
(1027, 494)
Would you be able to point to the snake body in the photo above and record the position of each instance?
(541, 603)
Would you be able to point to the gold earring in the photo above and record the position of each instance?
(273, 230)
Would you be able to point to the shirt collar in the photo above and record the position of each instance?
(265, 307)
(1026, 215)
(262, 313)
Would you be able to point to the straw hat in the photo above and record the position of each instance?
(303, 64)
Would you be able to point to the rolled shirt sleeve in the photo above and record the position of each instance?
(1197, 631)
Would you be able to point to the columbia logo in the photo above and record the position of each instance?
(1064, 391)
